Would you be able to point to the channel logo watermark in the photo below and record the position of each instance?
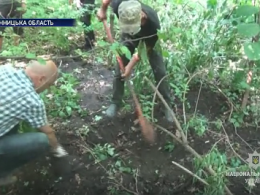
(254, 163)
(242, 174)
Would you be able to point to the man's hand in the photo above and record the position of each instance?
(57, 149)
(51, 135)
(127, 73)
(59, 152)
(101, 14)
(130, 66)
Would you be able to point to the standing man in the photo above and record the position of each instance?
(12, 9)
(86, 19)
(20, 101)
(136, 21)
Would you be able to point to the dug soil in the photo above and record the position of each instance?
(135, 167)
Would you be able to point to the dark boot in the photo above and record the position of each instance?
(89, 40)
(159, 71)
(168, 115)
(118, 92)
(86, 19)
(112, 110)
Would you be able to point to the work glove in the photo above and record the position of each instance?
(59, 152)
(60, 162)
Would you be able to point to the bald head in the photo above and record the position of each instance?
(42, 75)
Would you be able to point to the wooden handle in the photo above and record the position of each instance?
(110, 38)
(105, 4)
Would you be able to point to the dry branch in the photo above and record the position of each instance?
(172, 113)
(183, 142)
(189, 172)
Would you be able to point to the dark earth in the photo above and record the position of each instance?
(155, 175)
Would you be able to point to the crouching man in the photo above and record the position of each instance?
(20, 101)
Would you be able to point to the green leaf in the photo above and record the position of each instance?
(110, 151)
(62, 114)
(252, 50)
(30, 55)
(246, 10)
(124, 50)
(6, 53)
(69, 110)
(102, 157)
(165, 53)
(212, 3)
(102, 43)
(248, 30)
(125, 169)
(41, 60)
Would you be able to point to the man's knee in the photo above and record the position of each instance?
(41, 140)
(24, 143)
(35, 141)
(157, 63)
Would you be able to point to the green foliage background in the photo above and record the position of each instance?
(213, 43)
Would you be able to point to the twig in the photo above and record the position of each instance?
(217, 143)
(60, 64)
(193, 152)
(136, 181)
(184, 93)
(242, 138)
(229, 101)
(228, 141)
(154, 95)
(169, 133)
(115, 181)
(189, 172)
(196, 106)
(171, 111)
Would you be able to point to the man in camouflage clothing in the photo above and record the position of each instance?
(89, 5)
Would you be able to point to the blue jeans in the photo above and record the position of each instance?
(18, 149)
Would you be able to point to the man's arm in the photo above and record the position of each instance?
(51, 135)
(113, 3)
(57, 149)
(104, 5)
(36, 116)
